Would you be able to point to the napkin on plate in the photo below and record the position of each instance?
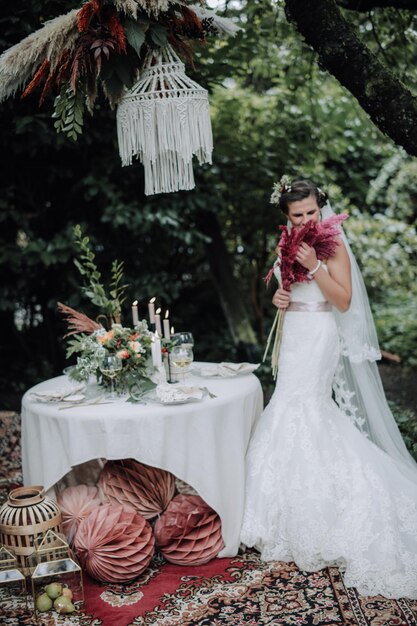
(66, 393)
(166, 393)
(227, 370)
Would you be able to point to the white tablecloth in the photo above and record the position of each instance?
(202, 443)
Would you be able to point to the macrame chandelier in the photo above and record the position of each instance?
(163, 121)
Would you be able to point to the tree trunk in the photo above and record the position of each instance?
(368, 5)
(390, 105)
(228, 289)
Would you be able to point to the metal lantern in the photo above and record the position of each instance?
(12, 579)
(55, 573)
(163, 121)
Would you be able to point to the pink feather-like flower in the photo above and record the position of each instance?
(323, 237)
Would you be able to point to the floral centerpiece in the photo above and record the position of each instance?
(92, 341)
(131, 345)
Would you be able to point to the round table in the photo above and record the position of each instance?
(202, 443)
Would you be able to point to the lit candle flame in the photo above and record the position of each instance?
(152, 300)
(158, 311)
(167, 314)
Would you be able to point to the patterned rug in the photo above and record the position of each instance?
(225, 592)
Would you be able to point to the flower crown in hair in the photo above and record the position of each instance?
(284, 186)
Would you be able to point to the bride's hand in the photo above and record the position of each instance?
(306, 256)
(281, 299)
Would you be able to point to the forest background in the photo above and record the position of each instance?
(203, 253)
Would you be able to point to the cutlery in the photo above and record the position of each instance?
(97, 401)
(210, 394)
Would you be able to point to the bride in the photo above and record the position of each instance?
(329, 479)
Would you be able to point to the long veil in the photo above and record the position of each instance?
(357, 384)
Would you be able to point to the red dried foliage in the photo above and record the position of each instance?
(47, 87)
(42, 73)
(86, 14)
(92, 45)
(323, 237)
(182, 30)
(188, 25)
(117, 32)
(184, 49)
(190, 18)
(63, 68)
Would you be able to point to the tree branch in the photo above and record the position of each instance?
(391, 106)
(363, 6)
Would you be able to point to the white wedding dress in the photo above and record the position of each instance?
(319, 492)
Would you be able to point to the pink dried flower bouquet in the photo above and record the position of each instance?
(323, 237)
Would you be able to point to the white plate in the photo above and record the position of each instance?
(154, 397)
(65, 393)
(174, 402)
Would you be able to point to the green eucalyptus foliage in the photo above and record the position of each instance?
(109, 302)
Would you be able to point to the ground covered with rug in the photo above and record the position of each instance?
(225, 592)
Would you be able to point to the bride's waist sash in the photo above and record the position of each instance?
(310, 307)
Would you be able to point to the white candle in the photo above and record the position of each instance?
(158, 327)
(158, 353)
(151, 309)
(135, 315)
(153, 351)
(166, 326)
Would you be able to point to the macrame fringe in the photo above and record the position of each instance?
(163, 121)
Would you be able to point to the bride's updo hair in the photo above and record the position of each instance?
(299, 190)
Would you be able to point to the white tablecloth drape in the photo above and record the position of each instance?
(202, 443)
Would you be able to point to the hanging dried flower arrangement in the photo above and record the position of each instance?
(110, 44)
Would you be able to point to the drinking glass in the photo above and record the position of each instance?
(110, 366)
(181, 357)
(184, 338)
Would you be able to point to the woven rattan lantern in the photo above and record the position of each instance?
(26, 515)
(163, 121)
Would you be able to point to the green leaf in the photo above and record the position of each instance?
(68, 111)
(123, 72)
(159, 35)
(135, 35)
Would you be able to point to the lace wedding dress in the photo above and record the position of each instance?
(319, 492)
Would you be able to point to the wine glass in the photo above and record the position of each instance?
(184, 338)
(110, 366)
(181, 357)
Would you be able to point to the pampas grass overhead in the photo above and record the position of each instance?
(224, 25)
(21, 61)
(154, 7)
